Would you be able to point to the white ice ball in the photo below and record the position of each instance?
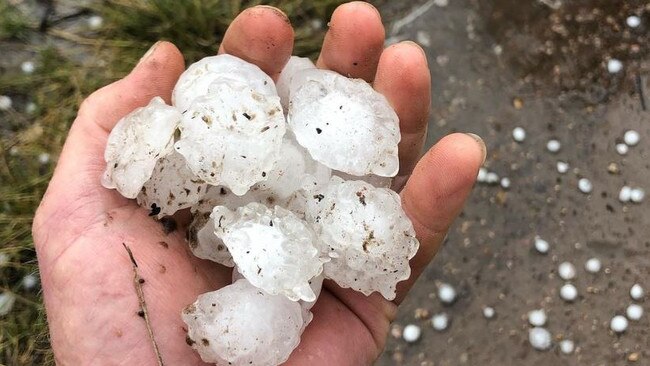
(567, 271)
(585, 185)
(618, 324)
(625, 195)
(568, 292)
(28, 67)
(7, 300)
(29, 282)
(637, 292)
(95, 22)
(492, 178)
(637, 195)
(482, 175)
(537, 318)
(411, 333)
(633, 21)
(593, 265)
(488, 312)
(631, 137)
(567, 346)
(634, 312)
(505, 183)
(553, 146)
(43, 158)
(446, 293)
(541, 245)
(440, 322)
(5, 102)
(519, 134)
(622, 149)
(562, 167)
(539, 338)
(614, 66)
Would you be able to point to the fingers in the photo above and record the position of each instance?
(261, 35)
(435, 194)
(403, 78)
(354, 41)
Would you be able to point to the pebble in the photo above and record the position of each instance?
(633, 21)
(585, 185)
(28, 67)
(446, 293)
(562, 167)
(29, 282)
(567, 346)
(636, 292)
(637, 195)
(614, 66)
(634, 312)
(593, 265)
(7, 301)
(411, 333)
(95, 22)
(537, 318)
(553, 146)
(567, 271)
(568, 292)
(631, 138)
(541, 245)
(539, 338)
(625, 194)
(440, 322)
(622, 149)
(5, 103)
(505, 183)
(488, 312)
(618, 324)
(519, 134)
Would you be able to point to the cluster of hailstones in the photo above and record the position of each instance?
(287, 200)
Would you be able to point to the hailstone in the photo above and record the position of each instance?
(293, 66)
(135, 145)
(366, 234)
(204, 243)
(242, 325)
(344, 123)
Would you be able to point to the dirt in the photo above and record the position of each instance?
(489, 77)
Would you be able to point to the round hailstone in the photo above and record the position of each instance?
(95, 22)
(43, 158)
(519, 134)
(562, 167)
(233, 136)
(411, 333)
(482, 175)
(618, 324)
(30, 108)
(488, 312)
(491, 178)
(614, 66)
(553, 146)
(293, 66)
(537, 318)
(636, 292)
(28, 67)
(195, 82)
(204, 243)
(336, 118)
(567, 346)
(7, 300)
(593, 265)
(567, 271)
(29, 282)
(633, 21)
(634, 312)
(5, 103)
(539, 338)
(440, 322)
(631, 138)
(568, 292)
(541, 245)
(240, 325)
(505, 183)
(367, 235)
(625, 195)
(172, 187)
(135, 145)
(446, 293)
(273, 249)
(585, 186)
(622, 149)
(637, 195)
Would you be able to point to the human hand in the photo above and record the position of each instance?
(80, 226)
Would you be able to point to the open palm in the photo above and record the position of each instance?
(80, 226)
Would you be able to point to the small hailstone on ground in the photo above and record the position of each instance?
(4, 259)
(30, 108)
(566, 271)
(335, 118)
(633, 21)
(537, 318)
(29, 281)
(622, 149)
(634, 312)
(440, 321)
(553, 146)
(5, 102)
(562, 167)
(539, 338)
(541, 245)
(585, 185)
(505, 183)
(95, 22)
(568, 292)
(618, 324)
(614, 66)
(43, 158)
(446, 293)
(567, 346)
(631, 137)
(7, 301)
(482, 175)
(28, 67)
(593, 265)
(519, 134)
(293, 66)
(488, 312)
(625, 194)
(491, 178)
(637, 195)
(411, 333)
(637, 292)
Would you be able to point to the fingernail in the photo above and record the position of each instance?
(481, 144)
(277, 12)
(413, 44)
(368, 5)
(148, 54)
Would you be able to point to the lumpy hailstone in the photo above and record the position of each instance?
(537, 318)
(337, 118)
(440, 322)
(292, 67)
(539, 338)
(567, 346)
(241, 325)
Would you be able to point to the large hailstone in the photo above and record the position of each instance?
(172, 187)
(275, 250)
(204, 243)
(293, 66)
(233, 136)
(135, 145)
(242, 325)
(196, 80)
(366, 234)
(344, 123)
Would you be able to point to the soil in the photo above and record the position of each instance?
(491, 73)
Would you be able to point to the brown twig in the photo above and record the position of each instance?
(137, 282)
